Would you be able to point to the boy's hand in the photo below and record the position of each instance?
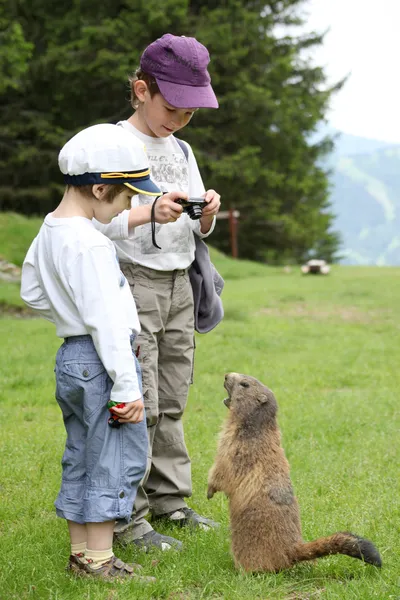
(133, 412)
(166, 210)
(213, 205)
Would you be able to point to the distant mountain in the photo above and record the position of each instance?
(365, 196)
(347, 144)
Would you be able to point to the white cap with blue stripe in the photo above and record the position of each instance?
(108, 154)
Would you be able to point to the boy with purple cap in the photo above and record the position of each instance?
(171, 83)
(179, 67)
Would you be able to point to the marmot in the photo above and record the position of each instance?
(252, 470)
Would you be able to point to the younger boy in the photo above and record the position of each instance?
(170, 85)
(71, 277)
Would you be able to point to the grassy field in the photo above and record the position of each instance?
(16, 233)
(328, 347)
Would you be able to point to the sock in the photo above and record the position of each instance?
(97, 558)
(79, 550)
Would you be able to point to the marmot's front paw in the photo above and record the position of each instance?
(210, 492)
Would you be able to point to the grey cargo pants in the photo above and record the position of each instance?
(164, 300)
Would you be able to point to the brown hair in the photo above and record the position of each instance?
(148, 79)
(111, 192)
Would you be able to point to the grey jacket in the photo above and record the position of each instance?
(207, 285)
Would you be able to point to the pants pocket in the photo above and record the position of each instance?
(82, 386)
(194, 354)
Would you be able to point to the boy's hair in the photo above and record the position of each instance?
(112, 191)
(151, 84)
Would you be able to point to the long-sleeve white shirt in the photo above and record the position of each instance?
(71, 277)
(172, 172)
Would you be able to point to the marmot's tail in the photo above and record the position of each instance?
(340, 543)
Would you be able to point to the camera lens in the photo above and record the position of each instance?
(194, 212)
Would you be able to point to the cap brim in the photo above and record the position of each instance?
(146, 187)
(187, 96)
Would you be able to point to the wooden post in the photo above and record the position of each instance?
(232, 215)
(233, 233)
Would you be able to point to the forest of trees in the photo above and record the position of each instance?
(65, 65)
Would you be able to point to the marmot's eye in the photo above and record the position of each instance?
(244, 384)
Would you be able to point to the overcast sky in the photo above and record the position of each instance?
(364, 40)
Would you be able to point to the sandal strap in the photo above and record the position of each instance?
(118, 566)
(118, 569)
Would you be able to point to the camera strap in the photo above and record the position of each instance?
(153, 224)
(185, 151)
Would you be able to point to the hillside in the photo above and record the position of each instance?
(350, 145)
(366, 199)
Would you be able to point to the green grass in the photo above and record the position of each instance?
(10, 296)
(16, 233)
(328, 347)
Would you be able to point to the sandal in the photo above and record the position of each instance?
(150, 540)
(116, 569)
(187, 517)
(76, 563)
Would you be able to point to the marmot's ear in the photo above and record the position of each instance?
(262, 398)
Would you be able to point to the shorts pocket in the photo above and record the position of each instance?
(84, 384)
(85, 371)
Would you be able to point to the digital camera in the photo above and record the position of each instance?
(193, 206)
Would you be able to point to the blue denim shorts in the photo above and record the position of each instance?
(101, 466)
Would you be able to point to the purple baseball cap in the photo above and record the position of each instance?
(179, 66)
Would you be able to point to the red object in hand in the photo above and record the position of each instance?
(113, 420)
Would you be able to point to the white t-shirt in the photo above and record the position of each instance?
(172, 172)
(72, 278)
